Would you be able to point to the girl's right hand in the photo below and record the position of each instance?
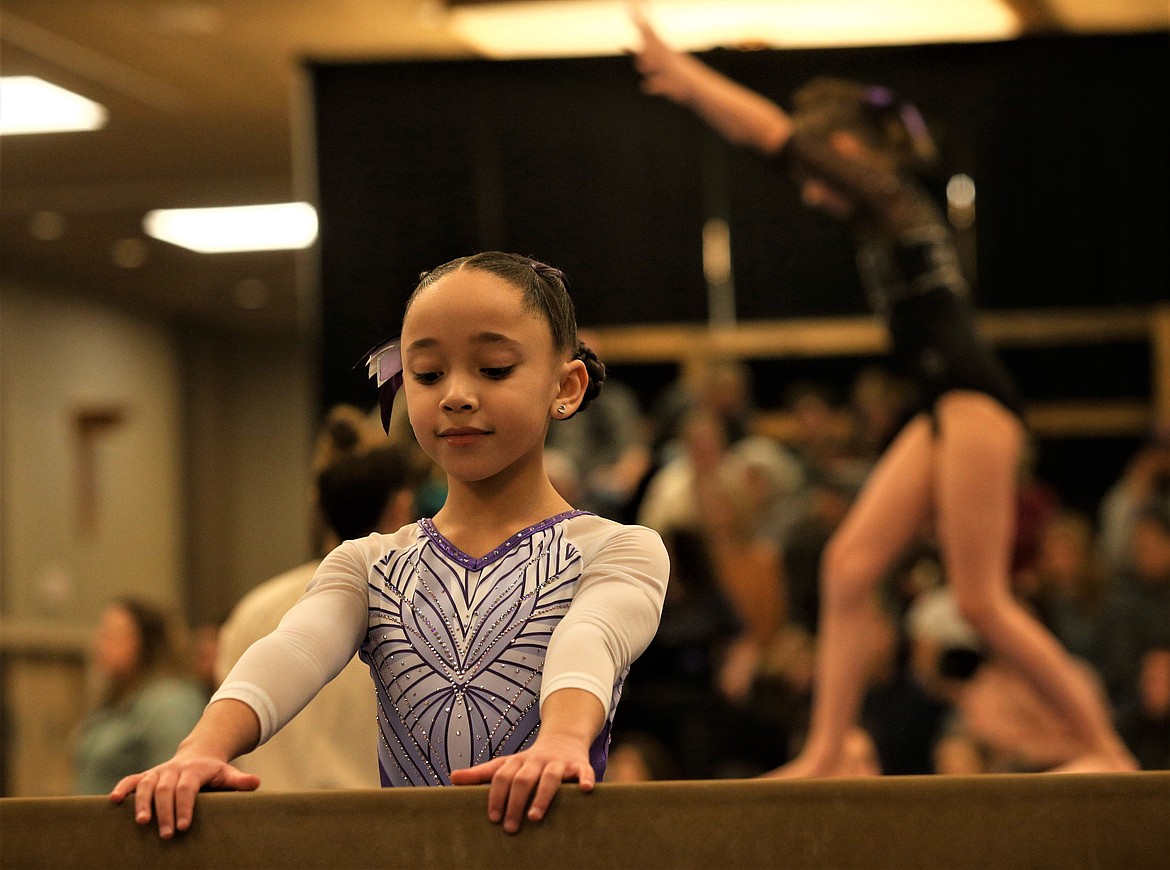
(169, 789)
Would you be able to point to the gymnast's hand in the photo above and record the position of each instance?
(570, 720)
(665, 72)
(228, 728)
(171, 787)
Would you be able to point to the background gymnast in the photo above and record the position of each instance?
(856, 152)
(498, 633)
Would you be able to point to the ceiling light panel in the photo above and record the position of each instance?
(274, 227)
(566, 28)
(32, 105)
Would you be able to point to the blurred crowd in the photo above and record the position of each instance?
(724, 689)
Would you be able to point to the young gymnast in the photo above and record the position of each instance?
(498, 633)
(854, 152)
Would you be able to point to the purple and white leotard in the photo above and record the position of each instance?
(463, 649)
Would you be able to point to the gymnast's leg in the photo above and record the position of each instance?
(977, 459)
(888, 514)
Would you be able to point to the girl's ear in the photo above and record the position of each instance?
(574, 381)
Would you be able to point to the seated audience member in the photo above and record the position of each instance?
(1144, 482)
(997, 723)
(1145, 723)
(747, 570)
(880, 403)
(149, 700)
(1068, 585)
(669, 502)
(1001, 724)
(821, 436)
(671, 695)
(1137, 610)
(723, 388)
(828, 501)
(331, 743)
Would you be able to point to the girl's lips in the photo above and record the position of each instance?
(462, 436)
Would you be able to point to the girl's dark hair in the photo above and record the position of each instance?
(875, 115)
(545, 293)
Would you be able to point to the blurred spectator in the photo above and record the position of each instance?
(821, 437)
(149, 700)
(880, 404)
(669, 502)
(1145, 723)
(670, 694)
(332, 742)
(828, 499)
(724, 388)
(1137, 611)
(1145, 482)
(747, 569)
(773, 486)
(1068, 585)
(1001, 724)
(997, 722)
(938, 634)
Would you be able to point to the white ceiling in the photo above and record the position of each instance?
(202, 102)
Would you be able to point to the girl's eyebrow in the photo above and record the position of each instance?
(493, 338)
(478, 338)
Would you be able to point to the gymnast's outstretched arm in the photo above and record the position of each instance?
(741, 115)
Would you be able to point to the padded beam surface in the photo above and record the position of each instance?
(1035, 821)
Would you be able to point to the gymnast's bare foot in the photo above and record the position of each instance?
(1099, 763)
(857, 756)
(801, 768)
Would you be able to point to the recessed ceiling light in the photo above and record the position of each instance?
(32, 105)
(275, 227)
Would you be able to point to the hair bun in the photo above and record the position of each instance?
(596, 371)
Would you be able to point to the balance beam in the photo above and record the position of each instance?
(930, 822)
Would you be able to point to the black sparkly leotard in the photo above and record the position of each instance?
(910, 268)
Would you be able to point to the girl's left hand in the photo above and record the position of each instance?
(551, 760)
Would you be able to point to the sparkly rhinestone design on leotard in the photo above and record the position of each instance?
(456, 645)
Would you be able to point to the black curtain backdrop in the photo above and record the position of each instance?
(566, 160)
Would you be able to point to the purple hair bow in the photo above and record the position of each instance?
(883, 98)
(385, 366)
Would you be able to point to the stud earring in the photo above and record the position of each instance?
(560, 409)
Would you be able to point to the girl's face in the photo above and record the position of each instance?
(117, 644)
(481, 377)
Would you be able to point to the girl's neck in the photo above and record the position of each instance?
(478, 515)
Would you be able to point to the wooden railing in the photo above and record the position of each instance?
(693, 347)
(1039, 821)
